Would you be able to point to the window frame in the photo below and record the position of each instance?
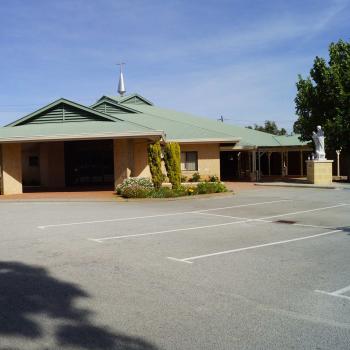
(184, 165)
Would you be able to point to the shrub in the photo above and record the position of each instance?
(155, 164)
(166, 192)
(173, 163)
(211, 187)
(195, 177)
(183, 178)
(214, 178)
(136, 192)
(135, 187)
(192, 190)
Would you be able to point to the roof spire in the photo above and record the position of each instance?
(121, 85)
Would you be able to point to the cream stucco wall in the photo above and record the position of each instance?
(50, 172)
(208, 159)
(141, 168)
(123, 160)
(11, 168)
(30, 174)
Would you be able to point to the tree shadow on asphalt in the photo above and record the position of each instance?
(29, 291)
(344, 229)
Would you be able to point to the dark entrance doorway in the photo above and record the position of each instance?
(228, 166)
(234, 165)
(89, 163)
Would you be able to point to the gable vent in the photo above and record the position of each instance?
(63, 113)
(135, 100)
(109, 109)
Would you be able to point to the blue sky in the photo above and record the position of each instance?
(239, 59)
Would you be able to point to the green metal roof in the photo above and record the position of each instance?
(58, 110)
(132, 115)
(70, 131)
(249, 137)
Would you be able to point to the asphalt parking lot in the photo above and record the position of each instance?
(263, 269)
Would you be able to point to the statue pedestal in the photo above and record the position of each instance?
(319, 172)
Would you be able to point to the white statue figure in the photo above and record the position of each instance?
(318, 138)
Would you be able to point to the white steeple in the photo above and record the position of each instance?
(121, 85)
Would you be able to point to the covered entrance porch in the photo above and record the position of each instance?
(72, 165)
(263, 163)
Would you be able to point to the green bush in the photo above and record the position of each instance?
(135, 187)
(211, 187)
(166, 192)
(155, 164)
(172, 161)
(214, 178)
(195, 177)
(143, 188)
(183, 178)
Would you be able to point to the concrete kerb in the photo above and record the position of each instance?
(196, 196)
(299, 186)
(115, 198)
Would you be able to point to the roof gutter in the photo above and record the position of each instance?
(83, 136)
(209, 140)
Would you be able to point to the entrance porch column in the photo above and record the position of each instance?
(301, 164)
(254, 161)
(123, 160)
(11, 168)
(269, 161)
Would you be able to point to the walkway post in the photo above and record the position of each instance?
(338, 162)
(259, 171)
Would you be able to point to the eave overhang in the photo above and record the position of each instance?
(208, 140)
(155, 135)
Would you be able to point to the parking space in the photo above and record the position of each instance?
(264, 269)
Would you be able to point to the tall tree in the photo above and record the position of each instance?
(172, 160)
(323, 98)
(155, 164)
(269, 127)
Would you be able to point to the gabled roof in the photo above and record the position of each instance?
(178, 130)
(62, 111)
(109, 106)
(134, 99)
(248, 138)
(134, 114)
(90, 130)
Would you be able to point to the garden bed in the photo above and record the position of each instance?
(143, 188)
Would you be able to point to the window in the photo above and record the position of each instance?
(189, 161)
(33, 161)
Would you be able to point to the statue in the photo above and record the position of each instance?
(318, 138)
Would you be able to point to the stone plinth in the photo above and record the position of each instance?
(319, 172)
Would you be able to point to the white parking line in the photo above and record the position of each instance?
(338, 293)
(190, 259)
(100, 240)
(263, 219)
(304, 211)
(159, 215)
(224, 216)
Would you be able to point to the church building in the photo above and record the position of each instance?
(69, 145)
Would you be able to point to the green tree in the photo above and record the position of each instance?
(172, 159)
(323, 98)
(155, 164)
(269, 127)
